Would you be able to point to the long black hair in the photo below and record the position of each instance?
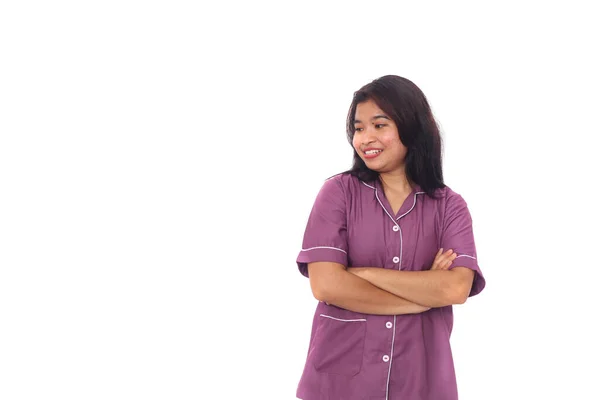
(406, 104)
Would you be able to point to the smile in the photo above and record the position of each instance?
(372, 153)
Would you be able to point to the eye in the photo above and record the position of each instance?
(358, 129)
(378, 126)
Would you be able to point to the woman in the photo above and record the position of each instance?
(388, 249)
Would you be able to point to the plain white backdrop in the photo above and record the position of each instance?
(158, 161)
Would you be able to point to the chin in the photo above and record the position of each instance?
(374, 168)
(373, 164)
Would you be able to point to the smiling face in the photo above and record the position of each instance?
(376, 139)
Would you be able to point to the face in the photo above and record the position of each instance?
(376, 139)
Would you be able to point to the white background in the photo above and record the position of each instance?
(158, 161)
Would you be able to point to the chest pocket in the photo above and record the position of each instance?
(338, 345)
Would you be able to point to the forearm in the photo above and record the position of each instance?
(429, 288)
(353, 293)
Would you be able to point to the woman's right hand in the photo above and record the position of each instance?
(443, 260)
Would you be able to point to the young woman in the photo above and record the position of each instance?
(388, 249)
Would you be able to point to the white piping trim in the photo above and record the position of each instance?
(387, 386)
(343, 320)
(413, 206)
(324, 247)
(384, 209)
(367, 185)
(464, 255)
(395, 223)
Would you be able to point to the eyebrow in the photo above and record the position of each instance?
(357, 121)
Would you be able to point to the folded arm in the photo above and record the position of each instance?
(332, 283)
(433, 288)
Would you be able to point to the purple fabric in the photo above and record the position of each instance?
(354, 356)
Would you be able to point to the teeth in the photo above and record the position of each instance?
(369, 152)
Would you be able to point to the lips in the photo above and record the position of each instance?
(372, 153)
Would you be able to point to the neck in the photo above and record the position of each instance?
(395, 181)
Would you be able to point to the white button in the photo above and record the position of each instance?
(395, 228)
(386, 358)
(388, 325)
(396, 260)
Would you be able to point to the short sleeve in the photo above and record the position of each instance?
(325, 236)
(457, 234)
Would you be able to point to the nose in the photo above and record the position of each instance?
(368, 136)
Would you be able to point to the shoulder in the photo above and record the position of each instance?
(345, 183)
(446, 196)
(446, 203)
(453, 207)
